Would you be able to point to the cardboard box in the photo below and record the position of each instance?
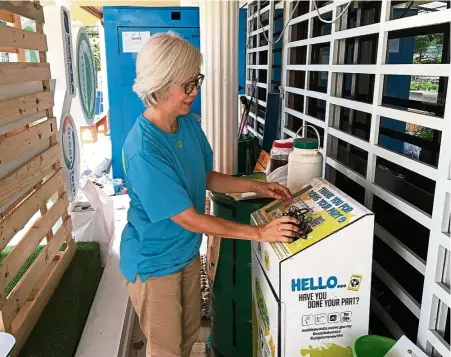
(312, 297)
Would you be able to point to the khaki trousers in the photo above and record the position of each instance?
(168, 309)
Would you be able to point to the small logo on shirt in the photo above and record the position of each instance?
(179, 144)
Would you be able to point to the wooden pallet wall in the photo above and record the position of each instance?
(30, 174)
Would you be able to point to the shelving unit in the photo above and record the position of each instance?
(385, 144)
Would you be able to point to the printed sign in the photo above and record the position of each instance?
(133, 41)
(68, 52)
(320, 206)
(71, 155)
(86, 76)
(321, 282)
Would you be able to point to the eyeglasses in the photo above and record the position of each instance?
(197, 83)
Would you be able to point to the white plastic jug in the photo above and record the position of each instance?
(305, 162)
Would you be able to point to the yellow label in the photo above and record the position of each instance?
(328, 350)
(262, 309)
(355, 282)
(266, 260)
(272, 347)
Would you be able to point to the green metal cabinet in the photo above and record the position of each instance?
(231, 295)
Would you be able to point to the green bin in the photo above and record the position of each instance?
(248, 152)
(372, 346)
(231, 295)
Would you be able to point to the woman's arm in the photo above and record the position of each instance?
(221, 183)
(279, 230)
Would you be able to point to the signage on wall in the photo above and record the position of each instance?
(70, 153)
(68, 52)
(86, 76)
(133, 41)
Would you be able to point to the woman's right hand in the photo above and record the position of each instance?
(282, 229)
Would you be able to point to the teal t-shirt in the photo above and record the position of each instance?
(165, 175)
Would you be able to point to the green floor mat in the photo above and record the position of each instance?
(61, 324)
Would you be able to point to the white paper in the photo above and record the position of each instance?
(405, 348)
(94, 221)
(393, 45)
(133, 41)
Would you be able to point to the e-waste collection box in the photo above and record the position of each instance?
(312, 297)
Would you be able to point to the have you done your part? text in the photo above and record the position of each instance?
(317, 300)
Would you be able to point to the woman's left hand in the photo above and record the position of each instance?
(272, 190)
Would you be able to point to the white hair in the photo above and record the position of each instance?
(164, 60)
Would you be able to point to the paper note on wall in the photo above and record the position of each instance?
(393, 45)
(133, 41)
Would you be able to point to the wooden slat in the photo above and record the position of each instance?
(11, 72)
(23, 194)
(28, 9)
(53, 139)
(8, 49)
(19, 295)
(21, 107)
(17, 38)
(6, 16)
(31, 310)
(19, 255)
(14, 222)
(10, 91)
(20, 51)
(15, 145)
(4, 214)
(28, 175)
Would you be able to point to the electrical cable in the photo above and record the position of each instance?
(283, 30)
(333, 20)
(245, 115)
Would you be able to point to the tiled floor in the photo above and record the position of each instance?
(138, 343)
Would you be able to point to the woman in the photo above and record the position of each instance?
(168, 164)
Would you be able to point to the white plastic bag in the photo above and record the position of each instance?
(94, 221)
(279, 175)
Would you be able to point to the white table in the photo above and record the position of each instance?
(108, 330)
(7, 343)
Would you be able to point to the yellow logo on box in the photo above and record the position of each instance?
(272, 347)
(266, 260)
(355, 282)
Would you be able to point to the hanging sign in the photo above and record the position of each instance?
(68, 52)
(86, 76)
(70, 153)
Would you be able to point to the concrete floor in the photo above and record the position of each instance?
(138, 343)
